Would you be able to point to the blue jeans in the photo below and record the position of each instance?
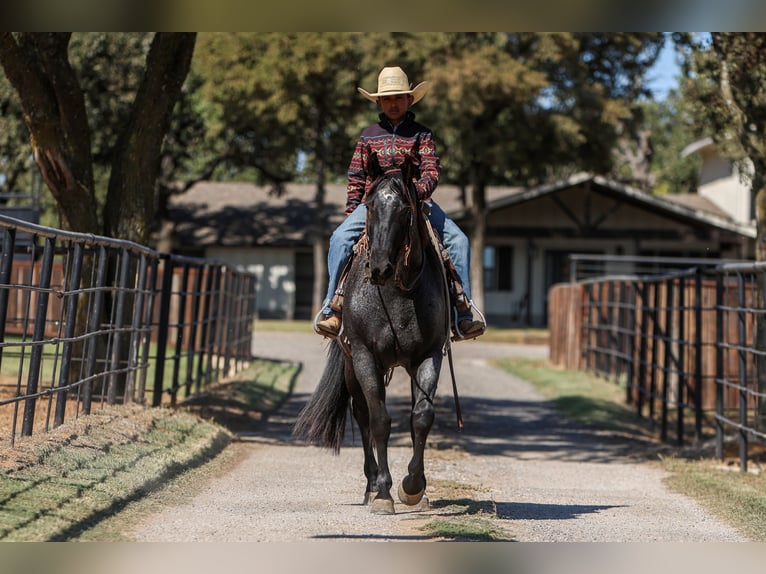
(346, 234)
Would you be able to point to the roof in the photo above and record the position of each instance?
(244, 214)
(696, 146)
(697, 209)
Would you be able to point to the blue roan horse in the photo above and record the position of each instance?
(395, 313)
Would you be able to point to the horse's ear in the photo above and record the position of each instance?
(409, 173)
(373, 166)
(409, 167)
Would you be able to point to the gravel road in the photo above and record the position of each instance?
(547, 479)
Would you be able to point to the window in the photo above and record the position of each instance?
(498, 268)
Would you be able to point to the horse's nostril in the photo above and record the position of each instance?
(379, 276)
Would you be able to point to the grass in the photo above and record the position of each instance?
(493, 335)
(736, 498)
(462, 514)
(68, 484)
(581, 396)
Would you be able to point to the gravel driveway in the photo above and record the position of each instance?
(547, 479)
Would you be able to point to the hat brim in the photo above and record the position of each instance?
(417, 93)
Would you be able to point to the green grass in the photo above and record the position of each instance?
(17, 357)
(736, 498)
(95, 467)
(493, 334)
(70, 483)
(580, 396)
(462, 514)
(465, 529)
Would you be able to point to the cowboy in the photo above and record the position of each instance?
(394, 136)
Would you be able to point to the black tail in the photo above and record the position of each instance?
(323, 420)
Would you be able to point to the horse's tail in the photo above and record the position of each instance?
(323, 420)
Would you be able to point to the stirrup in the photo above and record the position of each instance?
(318, 331)
(458, 334)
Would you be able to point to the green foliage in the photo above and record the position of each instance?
(726, 87)
(506, 108)
(672, 128)
(275, 96)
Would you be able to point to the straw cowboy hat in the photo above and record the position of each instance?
(392, 81)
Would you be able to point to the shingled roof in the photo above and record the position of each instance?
(247, 215)
(237, 214)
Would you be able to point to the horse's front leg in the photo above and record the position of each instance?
(424, 381)
(371, 380)
(362, 417)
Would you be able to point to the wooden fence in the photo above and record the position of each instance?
(682, 344)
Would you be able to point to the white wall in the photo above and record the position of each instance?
(720, 183)
(276, 276)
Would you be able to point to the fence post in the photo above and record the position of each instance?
(652, 395)
(122, 282)
(6, 266)
(666, 359)
(631, 343)
(719, 365)
(643, 351)
(698, 352)
(94, 320)
(135, 330)
(162, 331)
(742, 335)
(36, 356)
(72, 296)
(192, 352)
(180, 327)
(151, 286)
(681, 360)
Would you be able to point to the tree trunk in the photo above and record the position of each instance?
(319, 243)
(37, 65)
(132, 195)
(760, 336)
(131, 200)
(478, 210)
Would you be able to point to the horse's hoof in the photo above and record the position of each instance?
(410, 499)
(382, 506)
(369, 496)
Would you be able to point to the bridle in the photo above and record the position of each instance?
(409, 194)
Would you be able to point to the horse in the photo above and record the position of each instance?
(395, 313)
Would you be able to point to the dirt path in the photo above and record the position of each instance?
(547, 480)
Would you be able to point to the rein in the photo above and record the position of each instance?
(427, 236)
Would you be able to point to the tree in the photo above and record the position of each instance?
(52, 98)
(523, 108)
(54, 106)
(277, 97)
(727, 81)
(671, 128)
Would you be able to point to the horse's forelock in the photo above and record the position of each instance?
(392, 181)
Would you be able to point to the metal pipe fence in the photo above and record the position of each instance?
(689, 346)
(90, 320)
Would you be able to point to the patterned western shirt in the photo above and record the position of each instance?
(392, 143)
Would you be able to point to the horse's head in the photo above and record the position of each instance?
(392, 207)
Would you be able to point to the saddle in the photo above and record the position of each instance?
(458, 298)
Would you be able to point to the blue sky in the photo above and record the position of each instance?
(663, 75)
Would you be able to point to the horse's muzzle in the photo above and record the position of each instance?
(381, 275)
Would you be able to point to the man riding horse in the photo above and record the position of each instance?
(395, 136)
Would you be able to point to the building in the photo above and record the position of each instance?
(531, 232)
